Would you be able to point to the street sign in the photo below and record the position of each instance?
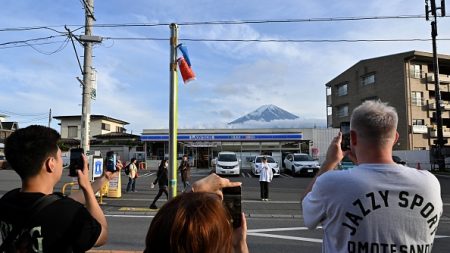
(98, 167)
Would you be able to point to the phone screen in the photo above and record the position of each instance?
(232, 202)
(345, 130)
(111, 159)
(76, 161)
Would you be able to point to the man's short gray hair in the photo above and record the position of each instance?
(374, 121)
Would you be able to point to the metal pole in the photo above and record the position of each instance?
(87, 86)
(49, 117)
(173, 112)
(440, 138)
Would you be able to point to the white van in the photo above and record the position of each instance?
(227, 163)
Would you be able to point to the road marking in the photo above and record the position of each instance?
(295, 238)
(147, 174)
(257, 232)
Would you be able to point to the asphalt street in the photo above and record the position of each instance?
(274, 226)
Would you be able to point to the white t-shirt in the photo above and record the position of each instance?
(375, 208)
(266, 173)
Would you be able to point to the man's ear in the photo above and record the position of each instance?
(50, 164)
(396, 137)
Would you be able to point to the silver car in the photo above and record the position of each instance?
(257, 163)
(301, 164)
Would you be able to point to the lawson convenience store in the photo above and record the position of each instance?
(202, 145)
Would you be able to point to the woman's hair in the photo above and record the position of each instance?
(162, 163)
(132, 160)
(194, 222)
(375, 121)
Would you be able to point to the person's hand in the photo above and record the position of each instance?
(334, 153)
(112, 174)
(214, 184)
(240, 237)
(83, 174)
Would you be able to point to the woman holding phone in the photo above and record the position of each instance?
(265, 177)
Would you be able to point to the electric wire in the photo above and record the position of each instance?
(23, 114)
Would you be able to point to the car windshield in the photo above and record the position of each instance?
(269, 160)
(227, 158)
(299, 158)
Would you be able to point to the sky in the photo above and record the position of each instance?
(233, 78)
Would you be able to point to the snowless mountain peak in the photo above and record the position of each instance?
(266, 113)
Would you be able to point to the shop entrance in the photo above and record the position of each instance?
(202, 157)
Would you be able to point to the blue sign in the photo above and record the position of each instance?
(225, 137)
(98, 167)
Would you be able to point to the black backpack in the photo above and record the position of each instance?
(127, 169)
(20, 239)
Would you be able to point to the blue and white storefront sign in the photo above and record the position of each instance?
(225, 137)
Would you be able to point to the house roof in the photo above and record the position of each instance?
(115, 135)
(93, 117)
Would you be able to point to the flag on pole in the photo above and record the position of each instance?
(185, 70)
(185, 53)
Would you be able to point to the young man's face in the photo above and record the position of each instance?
(58, 163)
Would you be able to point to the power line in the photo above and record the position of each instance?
(277, 40)
(31, 40)
(22, 114)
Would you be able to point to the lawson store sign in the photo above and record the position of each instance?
(225, 137)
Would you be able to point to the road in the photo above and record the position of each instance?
(274, 226)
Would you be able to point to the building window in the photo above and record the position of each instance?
(342, 89)
(106, 127)
(120, 129)
(416, 70)
(342, 111)
(368, 79)
(417, 98)
(72, 132)
(418, 122)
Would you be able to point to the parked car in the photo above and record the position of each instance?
(346, 164)
(3, 162)
(257, 161)
(301, 164)
(227, 163)
(398, 160)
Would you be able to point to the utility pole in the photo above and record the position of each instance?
(49, 117)
(173, 112)
(87, 68)
(440, 138)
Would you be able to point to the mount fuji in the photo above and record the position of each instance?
(265, 113)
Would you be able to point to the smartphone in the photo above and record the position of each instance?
(345, 130)
(76, 161)
(111, 160)
(232, 202)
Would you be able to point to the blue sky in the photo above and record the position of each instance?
(233, 78)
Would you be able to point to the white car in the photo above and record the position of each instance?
(227, 163)
(257, 163)
(301, 164)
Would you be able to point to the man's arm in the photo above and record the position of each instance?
(91, 203)
(334, 155)
(98, 183)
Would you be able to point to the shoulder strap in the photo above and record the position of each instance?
(37, 207)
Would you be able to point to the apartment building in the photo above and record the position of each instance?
(406, 82)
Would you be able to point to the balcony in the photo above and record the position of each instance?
(420, 129)
(445, 106)
(444, 79)
(445, 132)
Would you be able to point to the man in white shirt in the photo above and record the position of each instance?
(378, 206)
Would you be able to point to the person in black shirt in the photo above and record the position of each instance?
(162, 180)
(185, 171)
(69, 224)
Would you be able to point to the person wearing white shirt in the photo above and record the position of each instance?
(265, 177)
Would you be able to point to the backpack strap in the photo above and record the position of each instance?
(37, 207)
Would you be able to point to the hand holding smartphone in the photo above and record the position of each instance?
(345, 130)
(111, 161)
(76, 161)
(232, 202)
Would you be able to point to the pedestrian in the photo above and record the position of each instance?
(185, 171)
(265, 177)
(162, 180)
(33, 218)
(197, 222)
(377, 205)
(132, 176)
